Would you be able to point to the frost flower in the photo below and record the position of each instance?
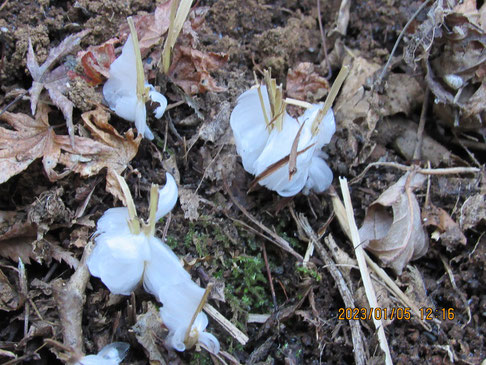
(284, 153)
(126, 90)
(127, 253)
(111, 354)
(120, 257)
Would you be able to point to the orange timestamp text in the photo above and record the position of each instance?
(399, 313)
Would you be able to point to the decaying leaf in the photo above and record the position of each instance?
(447, 230)
(452, 40)
(189, 203)
(150, 332)
(95, 62)
(473, 211)
(35, 138)
(304, 83)
(119, 150)
(399, 237)
(16, 239)
(9, 299)
(55, 82)
(151, 27)
(356, 105)
(190, 69)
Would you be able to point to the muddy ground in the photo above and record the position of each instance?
(48, 222)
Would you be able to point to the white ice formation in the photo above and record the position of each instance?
(120, 91)
(259, 148)
(111, 354)
(122, 259)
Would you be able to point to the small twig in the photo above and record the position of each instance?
(279, 241)
(471, 155)
(18, 96)
(269, 274)
(3, 5)
(428, 171)
(174, 105)
(208, 166)
(417, 153)
(356, 334)
(70, 298)
(227, 325)
(454, 285)
(323, 38)
(365, 275)
(402, 33)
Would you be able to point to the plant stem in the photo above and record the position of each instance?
(141, 92)
(149, 228)
(133, 222)
(336, 86)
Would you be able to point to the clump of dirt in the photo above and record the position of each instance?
(280, 47)
(83, 95)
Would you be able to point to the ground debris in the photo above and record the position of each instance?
(55, 82)
(398, 238)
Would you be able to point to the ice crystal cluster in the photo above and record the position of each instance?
(111, 354)
(126, 90)
(125, 256)
(265, 135)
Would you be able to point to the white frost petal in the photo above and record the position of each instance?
(141, 120)
(123, 77)
(210, 341)
(114, 351)
(95, 360)
(167, 196)
(126, 106)
(278, 146)
(259, 149)
(320, 176)
(163, 270)
(249, 128)
(180, 302)
(158, 98)
(118, 260)
(111, 354)
(114, 220)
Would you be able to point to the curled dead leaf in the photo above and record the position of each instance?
(191, 68)
(118, 152)
(448, 231)
(399, 237)
(305, 83)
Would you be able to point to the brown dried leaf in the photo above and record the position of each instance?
(55, 81)
(305, 84)
(473, 211)
(449, 231)
(118, 152)
(150, 27)
(190, 70)
(189, 203)
(95, 62)
(16, 241)
(150, 332)
(35, 138)
(399, 237)
(9, 299)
